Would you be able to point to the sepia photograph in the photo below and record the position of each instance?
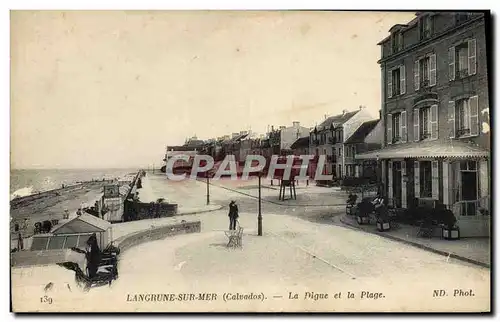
(289, 161)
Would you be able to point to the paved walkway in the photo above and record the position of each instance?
(311, 195)
(474, 250)
(293, 255)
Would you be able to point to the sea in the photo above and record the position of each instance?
(27, 182)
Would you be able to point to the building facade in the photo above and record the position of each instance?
(329, 137)
(368, 137)
(435, 112)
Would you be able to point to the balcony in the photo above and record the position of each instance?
(463, 132)
(425, 135)
(315, 142)
(396, 139)
(462, 73)
(332, 140)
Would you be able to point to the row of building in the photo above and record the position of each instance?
(432, 139)
(339, 138)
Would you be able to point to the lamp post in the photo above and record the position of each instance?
(259, 217)
(208, 188)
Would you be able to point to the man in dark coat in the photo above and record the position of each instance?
(233, 215)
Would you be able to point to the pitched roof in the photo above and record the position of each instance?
(360, 134)
(336, 120)
(98, 223)
(300, 143)
(427, 149)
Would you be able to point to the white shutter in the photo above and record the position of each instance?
(416, 74)
(389, 184)
(434, 122)
(451, 63)
(446, 183)
(389, 84)
(432, 70)
(417, 178)
(435, 180)
(416, 124)
(404, 202)
(404, 131)
(451, 119)
(389, 128)
(402, 79)
(472, 57)
(474, 115)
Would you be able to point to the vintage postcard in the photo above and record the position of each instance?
(250, 161)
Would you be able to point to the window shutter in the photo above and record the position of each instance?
(404, 202)
(389, 84)
(474, 115)
(451, 63)
(389, 128)
(416, 73)
(417, 179)
(435, 180)
(446, 185)
(472, 57)
(402, 79)
(451, 118)
(389, 184)
(404, 131)
(432, 70)
(416, 125)
(434, 122)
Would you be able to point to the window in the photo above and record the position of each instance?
(425, 72)
(426, 179)
(396, 81)
(462, 17)
(425, 27)
(340, 151)
(397, 42)
(463, 117)
(462, 60)
(396, 125)
(425, 123)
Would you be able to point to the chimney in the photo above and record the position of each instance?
(344, 112)
(272, 128)
(380, 114)
(234, 135)
(296, 124)
(282, 127)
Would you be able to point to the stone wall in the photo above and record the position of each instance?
(135, 210)
(153, 234)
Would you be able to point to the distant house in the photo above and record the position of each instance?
(329, 136)
(300, 146)
(368, 137)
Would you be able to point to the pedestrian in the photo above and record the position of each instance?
(233, 215)
(79, 212)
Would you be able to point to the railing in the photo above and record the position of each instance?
(468, 208)
(425, 135)
(463, 73)
(332, 140)
(462, 132)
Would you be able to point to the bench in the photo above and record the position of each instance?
(235, 237)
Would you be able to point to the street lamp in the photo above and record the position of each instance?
(259, 217)
(208, 187)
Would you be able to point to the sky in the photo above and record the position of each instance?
(111, 89)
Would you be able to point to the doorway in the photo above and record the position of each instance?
(396, 183)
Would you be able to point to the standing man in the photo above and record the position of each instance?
(233, 215)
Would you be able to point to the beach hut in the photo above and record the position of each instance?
(74, 233)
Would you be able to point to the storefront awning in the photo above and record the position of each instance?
(429, 149)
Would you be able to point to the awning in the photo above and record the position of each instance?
(429, 149)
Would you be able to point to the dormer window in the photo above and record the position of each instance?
(397, 42)
(425, 26)
(462, 17)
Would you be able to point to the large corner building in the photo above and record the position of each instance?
(435, 114)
